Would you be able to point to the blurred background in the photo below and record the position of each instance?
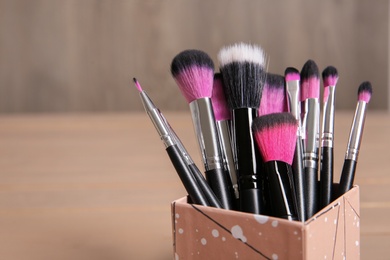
(81, 56)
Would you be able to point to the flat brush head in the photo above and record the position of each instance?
(275, 135)
(365, 92)
(310, 81)
(291, 74)
(330, 77)
(273, 99)
(243, 71)
(218, 99)
(193, 71)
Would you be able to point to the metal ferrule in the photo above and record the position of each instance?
(158, 121)
(292, 88)
(311, 121)
(356, 133)
(206, 131)
(328, 119)
(223, 128)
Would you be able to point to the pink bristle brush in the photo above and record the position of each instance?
(330, 77)
(193, 71)
(355, 138)
(276, 136)
(273, 99)
(310, 93)
(223, 117)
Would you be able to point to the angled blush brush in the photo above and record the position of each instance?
(310, 92)
(273, 98)
(193, 71)
(243, 72)
(330, 78)
(276, 135)
(355, 138)
(223, 121)
(292, 78)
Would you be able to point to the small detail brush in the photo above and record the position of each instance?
(193, 71)
(310, 92)
(273, 98)
(292, 78)
(330, 78)
(243, 72)
(276, 136)
(355, 138)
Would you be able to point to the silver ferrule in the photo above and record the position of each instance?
(328, 119)
(292, 89)
(225, 138)
(157, 120)
(311, 121)
(356, 133)
(206, 132)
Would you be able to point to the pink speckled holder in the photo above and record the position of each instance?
(209, 233)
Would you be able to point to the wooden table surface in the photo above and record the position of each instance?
(99, 186)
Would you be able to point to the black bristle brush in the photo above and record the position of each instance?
(193, 71)
(243, 72)
(276, 136)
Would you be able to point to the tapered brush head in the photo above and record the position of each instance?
(365, 92)
(310, 80)
(273, 99)
(137, 85)
(275, 135)
(330, 77)
(291, 74)
(193, 71)
(243, 72)
(218, 99)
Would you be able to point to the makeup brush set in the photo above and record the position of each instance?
(261, 145)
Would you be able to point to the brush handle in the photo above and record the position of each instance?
(219, 183)
(347, 176)
(208, 192)
(190, 184)
(281, 189)
(326, 176)
(299, 181)
(311, 191)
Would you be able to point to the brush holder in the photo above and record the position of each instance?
(201, 232)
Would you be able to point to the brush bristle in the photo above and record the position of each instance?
(138, 86)
(292, 74)
(243, 72)
(310, 81)
(275, 135)
(365, 92)
(330, 77)
(273, 99)
(218, 99)
(193, 71)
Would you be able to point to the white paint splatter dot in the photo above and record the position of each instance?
(215, 233)
(275, 257)
(176, 256)
(203, 241)
(326, 219)
(325, 257)
(357, 243)
(223, 238)
(275, 223)
(238, 233)
(295, 232)
(181, 231)
(335, 221)
(260, 233)
(196, 230)
(236, 253)
(177, 215)
(299, 238)
(357, 224)
(175, 221)
(261, 219)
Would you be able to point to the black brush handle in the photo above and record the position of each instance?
(326, 176)
(311, 191)
(190, 184)
(347, 176)
(299, 180)
(251, 195)
(219, 183)
(208, 192)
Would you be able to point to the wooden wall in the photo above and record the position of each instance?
(81, 55)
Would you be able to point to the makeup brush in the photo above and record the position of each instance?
(193, 71)
(223, 117)
(273, 99)
(355, 138)
(276, 136)
(190, 184)
(330, 77)
(243, 72)
(292, 78)
(310, 92)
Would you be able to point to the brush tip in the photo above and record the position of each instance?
(292, 74)
(365, 92)
(138, 86)
(310, 82)
(330, 76)
(241, 52)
